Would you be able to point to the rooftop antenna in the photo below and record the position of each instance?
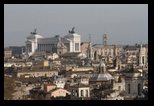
(89, 37)
(104, 29)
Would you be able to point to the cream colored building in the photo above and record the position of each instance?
(80, 91)
(60, 83)
(119, 83)
(7, 53)
(36, 42)
(52, 56)
(82, 69)
(142, 56)
(36, 72)
(59, 92)
(84, 47)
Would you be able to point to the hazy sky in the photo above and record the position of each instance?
(123, 23)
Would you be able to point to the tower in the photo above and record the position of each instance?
(104, 40)
(142, 56)
(133, 83)
(90, 51)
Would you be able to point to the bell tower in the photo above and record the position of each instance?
(104, 40)
(142, 56)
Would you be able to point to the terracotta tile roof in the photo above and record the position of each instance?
(79, 86)
(132, 70)
(50, 85)
(57, 59)
(57, 89)
(70, 54)
(27, 69)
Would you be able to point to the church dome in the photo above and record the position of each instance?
(101, 77)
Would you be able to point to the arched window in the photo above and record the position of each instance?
(129, 89)
(86, 93)
(119, 79)
(95, 55)
(81, 92)
(72, 92)
(139, 89)
(142, 59)
(118, 67)
(76, 93)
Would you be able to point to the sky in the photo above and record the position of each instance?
(123, 23)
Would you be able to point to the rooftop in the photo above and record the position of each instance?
(132, 70)
(75, 54)
(79, 86)
(101, 77)
(35, 69)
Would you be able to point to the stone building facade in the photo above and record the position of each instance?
(69, 43)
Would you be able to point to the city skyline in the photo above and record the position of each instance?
(123, 23)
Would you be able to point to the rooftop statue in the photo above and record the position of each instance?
(72, 30)
(34, 31)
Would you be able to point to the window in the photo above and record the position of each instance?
(129, 89)
(76, 46)
(76, 93)
(119, 88)
(29, 48)
(86, 93)
(139, 89)
(142, 59)
(73, 93)
(81, 92)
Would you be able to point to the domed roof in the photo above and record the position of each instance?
(101, 77)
